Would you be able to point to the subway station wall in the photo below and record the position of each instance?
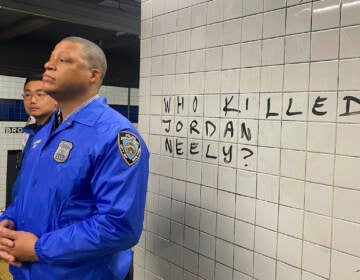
(13, 117)
(251, 110)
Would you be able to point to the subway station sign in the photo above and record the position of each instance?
(13, 129)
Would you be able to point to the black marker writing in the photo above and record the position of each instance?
(193, 147)
(226, 107)
(229, 128)
(195, 104)
(268, 113)
(250, 153)
(167, 122)
(318, 104)
(178, 146)
(208, 153)
(180, 103)
(245, 132)
(179, 126)
(168, 145)
(193, 126)
(348, 99)
(209, 125)
(167, 104)
(227, 154)
(288, 109)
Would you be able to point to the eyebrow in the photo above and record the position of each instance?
(58, 53)
(61, 52)
(29, 90)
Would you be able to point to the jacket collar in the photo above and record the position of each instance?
(31, 128)
(89, 112)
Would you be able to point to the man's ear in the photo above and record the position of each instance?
(95, 75)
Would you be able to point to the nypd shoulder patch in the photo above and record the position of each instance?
(63, 151)
(129, 147)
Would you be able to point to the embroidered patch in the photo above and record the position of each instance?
(63, 151)
(129, 146)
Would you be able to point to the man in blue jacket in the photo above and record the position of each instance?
(81, 200)
(39, 106)
(37, 103)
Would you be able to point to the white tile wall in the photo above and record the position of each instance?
(8, 142)
(10, 88)
(267, 187)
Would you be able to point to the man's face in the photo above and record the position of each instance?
(66, 71)
(36, 102)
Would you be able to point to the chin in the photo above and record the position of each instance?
(51, 93)
(48, 90)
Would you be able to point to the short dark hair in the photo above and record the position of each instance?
(94, 55)
(33, 77)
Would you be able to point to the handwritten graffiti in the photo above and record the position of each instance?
(232, 134)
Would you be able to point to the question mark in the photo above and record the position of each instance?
(248, 155)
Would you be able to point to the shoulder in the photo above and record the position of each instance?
(111, 122)
(112, 127)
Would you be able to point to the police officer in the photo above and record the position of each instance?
(37, 103)
(39, 106)
(80, 207)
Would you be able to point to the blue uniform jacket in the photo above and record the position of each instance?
(82, 192)
(30, 130)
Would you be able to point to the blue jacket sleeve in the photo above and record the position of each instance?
(9, 213)
(120, 192)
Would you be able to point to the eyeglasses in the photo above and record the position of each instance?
(37, 96)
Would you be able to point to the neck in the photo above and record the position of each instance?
(68, 106)
(42, 120)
